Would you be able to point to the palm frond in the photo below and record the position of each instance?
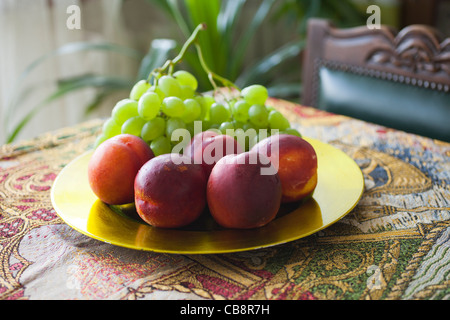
(160, 50)
(66, 86)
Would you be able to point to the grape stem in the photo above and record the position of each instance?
(170, 64)
(211, 75)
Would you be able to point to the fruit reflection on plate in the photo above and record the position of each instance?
(204, 235)
(340, 186)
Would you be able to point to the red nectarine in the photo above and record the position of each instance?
(170, 192)
(296, 162)
(239, 195)
(114, 165)
(208, 147)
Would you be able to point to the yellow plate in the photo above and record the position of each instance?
(339, 188)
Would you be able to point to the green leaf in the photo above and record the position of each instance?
(249, 32)
(207, 11)
(159, 52)
(180, 20)
(228, 16)
(69, 85)
(227, 26)
(75, 47)
(345, 13)
(93, 80)
(98, 99)
(193, 13)
(172, 9)
(70, 48)
(164, 5)
(259, 72)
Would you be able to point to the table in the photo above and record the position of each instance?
(393, 245)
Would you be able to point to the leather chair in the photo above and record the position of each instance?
(398, 80)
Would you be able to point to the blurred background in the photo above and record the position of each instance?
(53, 74)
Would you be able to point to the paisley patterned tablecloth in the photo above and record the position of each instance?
(395, 244)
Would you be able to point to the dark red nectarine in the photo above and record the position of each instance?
(170, 192)
(240, 195)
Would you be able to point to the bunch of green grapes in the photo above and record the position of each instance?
(154, 111)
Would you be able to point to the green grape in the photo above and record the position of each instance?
(186, 79)
(111, 128)
(245, 137)
(157, 90)
(238, 124)
(240, 110)
(169, 86)
(218, 113)
(153, 129)
(206, 124)
(205, 102)
(133, 126)
(172, 125)
(258, 116)
(149, 105)
(124, 110)
(228, 107)
(291, 131)
(161, 145)
(173, 107)
(260, 135)
(190, 127)
(209, 100)
(186, 92)
(99, 140)
(239, 136)
(138, 89)
(255, 94)
(270, 108)
(180, 139)
(231, 104)
(247, 126)
(278, 121)
(224, 126)
(192, 110)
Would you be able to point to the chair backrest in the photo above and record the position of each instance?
(399, 80)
